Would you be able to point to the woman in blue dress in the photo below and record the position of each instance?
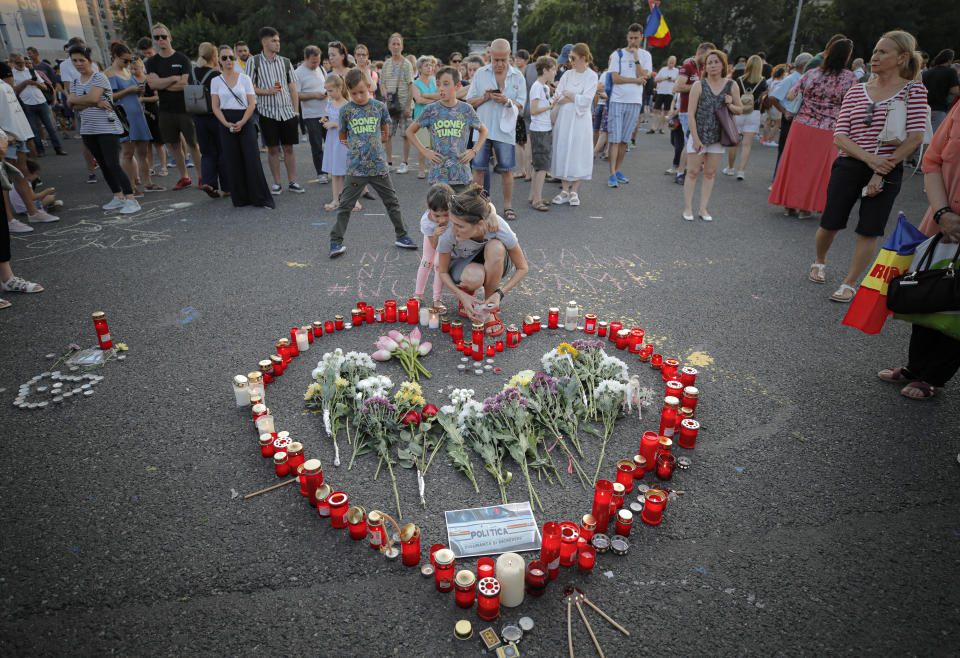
(126, 93)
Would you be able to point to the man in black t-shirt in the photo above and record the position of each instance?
(941, 81)
(169, 72)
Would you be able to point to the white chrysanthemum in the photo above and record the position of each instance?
(448, 409)
(614, 366)
(548, 360)
(374, 386)
(460, 395)
(359, 359)
(471, 409)
(609, 386)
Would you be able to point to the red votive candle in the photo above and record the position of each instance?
(690, 397)
(329, 326)
(689, 428)
(648, 446)
(266, 445)
(402, 313)
(369, 315)
(376, 534)
(295, 455)
(656, 361)
(283, 350)
(357, 522)
(569, 534)
(390, 314)
(615, 328)
(624, 522)
(553, 318)
(665, 465)
(602, 329)
(640, 466)
(320, 497)
(625, 474)
(413, 311)
(294, 350)
(602, 494)
(313, 471)
(477, 352)
(550, 547)
(635, 343)
(588, 525)
(486, 567)
(590, 323)
(536, 323)
(337, 323)
(668, 416)
(499, 346)
(623, 339)
(445, 324)
(491, 350)
(655, 501)
(688, 376)
(456, 330)
(488, 599)
(459, 346)
(317, 329)
(356, 317)
(465, 584)
(298, 471)
(616, 500)
(444, 564)
(338, 502)
(308, 329)
(669, 369)
(536, 578)
(277, 362)
(513, 336)
(102, 330)
(587, 558)
(280, 464)
(433, 553)
(410, 545)
(674, 388)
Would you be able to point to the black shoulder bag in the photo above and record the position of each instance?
(926, 290)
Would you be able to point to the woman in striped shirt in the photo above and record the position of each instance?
(869, 170)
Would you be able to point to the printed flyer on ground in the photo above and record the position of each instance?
(492, 530)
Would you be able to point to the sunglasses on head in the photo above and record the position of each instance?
(868, 119)
(227, 58)
(336, 44)
(161, 37)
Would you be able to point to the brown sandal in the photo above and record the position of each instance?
(540, 205)
(893, 375)
(924, 391)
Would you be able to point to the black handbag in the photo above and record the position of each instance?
(926, 290)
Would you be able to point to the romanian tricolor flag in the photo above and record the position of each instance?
(868, 309)
(657, 32)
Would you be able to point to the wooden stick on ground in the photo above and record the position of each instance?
(589, 628)
(276, 486)
(605, 616)
(569, 625)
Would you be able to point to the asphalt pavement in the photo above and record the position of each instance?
(820, 514)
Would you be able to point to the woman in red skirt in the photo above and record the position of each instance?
(801, 182)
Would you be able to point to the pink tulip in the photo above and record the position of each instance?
(425, 348)
(387, 344)
(381, 355)
(415, 336)
(395, 335)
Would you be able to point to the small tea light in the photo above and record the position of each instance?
(426, 570)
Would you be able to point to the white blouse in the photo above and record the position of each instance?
(229, 95)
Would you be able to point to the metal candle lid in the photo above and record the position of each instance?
(409, 532)
(464, 578)
(619, 489)
(463, 629)
(240, 380)
(355, 514)
(312, 467)
(526, 624)
(601, 542)
(444, 557)
(636, 507)
(374, 519)
(511, 633)
(97, 315)
(624, 516)
(620, 545)
(488, 586)
(322, 492)
(665, 442)
(255, 376)
(588, 522)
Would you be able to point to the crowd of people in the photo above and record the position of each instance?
(543, 117)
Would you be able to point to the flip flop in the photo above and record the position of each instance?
(893, 375)
(440, 306)
(919, 390)
(821, 274)
(509, 214)
(840, 294)
(5, 304)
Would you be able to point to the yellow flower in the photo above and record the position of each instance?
(313, 391)
(520, 380)
(341, 383)
(121, 347)
(567, 348)
(410, 393)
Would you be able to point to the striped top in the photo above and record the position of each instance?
(93, 120)
(857, 105)
(266, 73)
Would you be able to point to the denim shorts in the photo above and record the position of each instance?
(505, 156)
(622, 121)
(16, 147)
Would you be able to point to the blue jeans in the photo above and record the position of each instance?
(40, 113)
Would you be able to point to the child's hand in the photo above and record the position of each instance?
(440, 230)
(434, 157)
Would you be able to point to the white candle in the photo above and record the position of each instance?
(510, 573)
(424, 316)
(256, 389)
(570, 316)
(303, 344)
(265, 424)
(434, 321)
(240, 391)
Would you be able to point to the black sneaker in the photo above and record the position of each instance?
(405, 243)
(295, 188)
(681, 177)
(336, 249)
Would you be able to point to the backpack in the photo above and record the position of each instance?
(608, 83)
(746, 98)
(196, 97)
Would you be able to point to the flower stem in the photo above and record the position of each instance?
(396, 494)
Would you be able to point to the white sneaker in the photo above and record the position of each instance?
(275, 190)
(739, 175)
(323, 179)
(402, 169)
(115, 204)
(42, 217)
(729, 171)
(16, 226)
(130, 206)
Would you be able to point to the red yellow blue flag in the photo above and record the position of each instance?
(656, 31)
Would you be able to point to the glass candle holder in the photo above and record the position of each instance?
(624, 522)
(664, 444)
(513, 336)
(433, 553)
(280, 464)
(625, 474)
(390, 314)
(301, 477)
(339, 502)
(401, 314)
(277, 362)
(570, 316)
(569, 534)
(337, 323)
(356, 317)
(602, 329)
(376, 533)
(266, 371)
(616, 500)
(635, 342)
(586, 558)
(444, 564)
(456, 330)
(615, 328)
(491, 350)
(255, 384)
(308, 330)
(656, 361)
(240, 393)
(688, 376)
(459, 345)
(535, 580)
(433, 318)
(488, 599)
(668, 416)
(588, 526)
(362, 305)
(258, 410)
(465, 584)
(103, 331)
(313, 471)
(477, 352)
(413, 311)
(499, 346)
(690, 397)
(266, 445)
(445, 324)
(329, 326)
(689, 428)
(640, 466)
(665, 465)
(317, 327)
(602, 494)
(357, 522)
(410, 545)
(553, 318)
(648, 447)
(669, 369)
(674, 388)
(510, 571)
(623, 339)
(550, 547)
(590, 323)
(320, 499)
(655, 501)
(536, 323)
(485, 567)
(294, 347)
(295, 453)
